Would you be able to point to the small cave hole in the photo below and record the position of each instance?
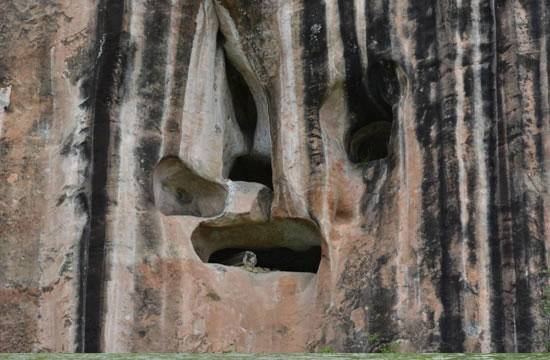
(178, 190)
(368, 139)
(252, 169)
(270, 259)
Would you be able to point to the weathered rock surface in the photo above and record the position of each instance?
(386, 161)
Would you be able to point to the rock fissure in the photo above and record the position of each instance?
(109, 51)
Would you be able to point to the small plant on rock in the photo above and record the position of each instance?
(326, 350)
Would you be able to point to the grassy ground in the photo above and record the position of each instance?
(233, 356)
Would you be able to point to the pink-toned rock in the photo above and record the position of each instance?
(386, 162)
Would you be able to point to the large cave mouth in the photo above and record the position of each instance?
(270, 259)
(292, 245)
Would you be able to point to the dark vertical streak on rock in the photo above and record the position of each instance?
(440, 214)
(109, 29)
(151, 94)
(523, 319)
(425, 115)
(254, 18)
(184, 46)
(451, 284)
(151, 99)
(153, 73)
(507, 85)
(378, 28)
(355, 89)
(524, 240)
(471, 167)
(520, 232)
(378, 54)
(503, 228)
(83, 274)
(366, 104)
(497, 313)
(315, 69)
(536, 202)
(451, 287)
(365, 92)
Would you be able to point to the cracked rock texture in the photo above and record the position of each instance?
(408, 140)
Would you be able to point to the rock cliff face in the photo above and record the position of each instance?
(274, 175)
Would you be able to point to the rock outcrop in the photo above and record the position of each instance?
(384, 163)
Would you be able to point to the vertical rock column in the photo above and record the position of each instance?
(47, 65)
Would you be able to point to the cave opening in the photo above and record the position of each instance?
(178, 190)
(369, 137)
(252, 166)
(292, 245)
(270, 259)
(252, 169)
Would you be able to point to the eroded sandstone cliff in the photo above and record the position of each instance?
(274, 175)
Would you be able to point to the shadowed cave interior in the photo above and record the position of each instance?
(369, 136)
(278, 258)
(278, 245)
(251, 167)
